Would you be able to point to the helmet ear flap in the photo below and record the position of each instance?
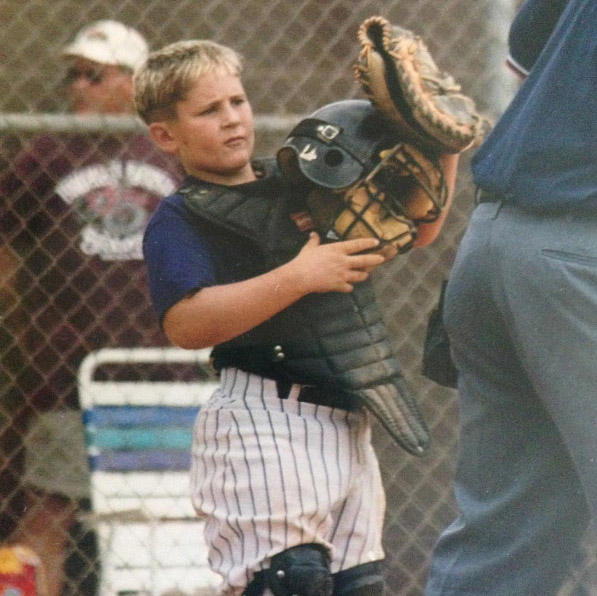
(333, 158)
(288, 162)
(323, 164)
(336, 146)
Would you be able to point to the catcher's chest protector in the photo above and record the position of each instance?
(333, 340)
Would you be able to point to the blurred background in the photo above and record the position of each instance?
(298, 57)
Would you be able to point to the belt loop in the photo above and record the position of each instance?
(283, 387)
(478, 192)
(500, 204)
(482, 196)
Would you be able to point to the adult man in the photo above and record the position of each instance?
(73, 213)
(520, 312)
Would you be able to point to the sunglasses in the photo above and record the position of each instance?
(93, 76)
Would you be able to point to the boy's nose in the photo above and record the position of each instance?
(231, 115)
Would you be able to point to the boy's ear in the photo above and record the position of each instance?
(162, 136)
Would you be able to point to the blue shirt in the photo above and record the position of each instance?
(178, 260)
(184, 254)
(542, 152)
(530, 31)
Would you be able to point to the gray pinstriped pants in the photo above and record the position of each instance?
(521, 311)
(269, 474)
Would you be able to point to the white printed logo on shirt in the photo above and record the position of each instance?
(114, 202)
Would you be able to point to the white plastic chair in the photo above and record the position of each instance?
(138, 438)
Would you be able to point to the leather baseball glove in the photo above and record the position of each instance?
(405, 189)
(398, 74)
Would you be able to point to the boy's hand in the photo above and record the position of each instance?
(337, 266)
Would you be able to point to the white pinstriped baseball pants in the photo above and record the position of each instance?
(269, 474)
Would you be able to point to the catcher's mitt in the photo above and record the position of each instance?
(397, 73)
(405, 189)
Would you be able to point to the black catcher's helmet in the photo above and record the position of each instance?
(336, 145)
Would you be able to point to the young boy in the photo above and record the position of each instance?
(283, 469)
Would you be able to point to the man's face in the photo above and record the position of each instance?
(98, 88)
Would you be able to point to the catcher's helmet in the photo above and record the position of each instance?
(336, 145)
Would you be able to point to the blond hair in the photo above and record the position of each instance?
(170, 73)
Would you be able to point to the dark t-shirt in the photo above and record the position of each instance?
(74, 209)
(541, 153)
(184, 255)
(532, 27)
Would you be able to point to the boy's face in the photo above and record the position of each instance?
(213, 133)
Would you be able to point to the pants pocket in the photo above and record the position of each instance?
(570, 257)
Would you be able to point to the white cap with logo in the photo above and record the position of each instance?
(109, 42)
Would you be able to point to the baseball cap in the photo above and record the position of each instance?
(109, 42)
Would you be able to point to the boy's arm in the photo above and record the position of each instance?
(219, 313)
(427, 233)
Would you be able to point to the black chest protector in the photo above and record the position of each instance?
(335, 341)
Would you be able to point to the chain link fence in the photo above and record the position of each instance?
(298, 57)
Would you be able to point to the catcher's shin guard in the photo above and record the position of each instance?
(362, 580)
(302, 570)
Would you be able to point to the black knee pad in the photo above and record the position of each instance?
(362, 580)
(302, 570)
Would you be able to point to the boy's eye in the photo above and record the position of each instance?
(208, 110)
(212, 109)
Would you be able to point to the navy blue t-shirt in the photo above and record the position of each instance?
(178, 260)
(530, 31)
(541, 153)
(184, 254)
